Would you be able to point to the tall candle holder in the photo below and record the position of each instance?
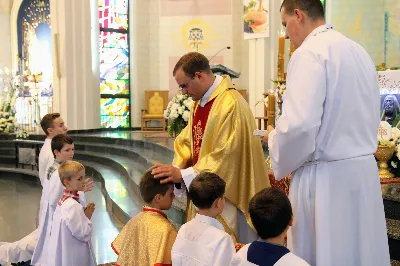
(271, 108)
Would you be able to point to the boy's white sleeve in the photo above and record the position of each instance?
(56, 190)
(188, 175)
(225, 252)
(79, 225)
(82, 199)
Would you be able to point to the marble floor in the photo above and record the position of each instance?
(19, 202)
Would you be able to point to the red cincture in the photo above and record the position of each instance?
(146, 209)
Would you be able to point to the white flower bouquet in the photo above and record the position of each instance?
(393, 141)
(178, 113)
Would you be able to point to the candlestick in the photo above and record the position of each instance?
(271, 108)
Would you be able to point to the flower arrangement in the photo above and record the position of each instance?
(393, 163)
(8, 95)
(178, 113)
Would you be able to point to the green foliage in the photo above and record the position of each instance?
(176, 126)
(250, 5)
(396, 121)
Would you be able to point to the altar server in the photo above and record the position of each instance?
(147, 239)
(63, 149)
(52, 125)
(271, 215)
(71, 229)
(203, 241)
(327, 136)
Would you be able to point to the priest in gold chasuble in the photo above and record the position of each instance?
(219, 139)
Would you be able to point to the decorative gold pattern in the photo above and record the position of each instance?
(198, 136)
(383, 154)
(145, 240)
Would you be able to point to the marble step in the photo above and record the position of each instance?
(4, 136)
(127, 174)
(125, 150)
(8, 159)
(6, 143)
(119, 201)
(7, 151)
(10, 171)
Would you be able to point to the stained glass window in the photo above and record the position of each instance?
(114, 63)
(114, 112)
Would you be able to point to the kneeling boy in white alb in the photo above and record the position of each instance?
(63, 150)
(203, 241)
(71, 229)
(271, 215)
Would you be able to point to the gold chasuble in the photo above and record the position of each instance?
(223, 143)
(146, 240)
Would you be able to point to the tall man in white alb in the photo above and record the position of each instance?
(327, 136)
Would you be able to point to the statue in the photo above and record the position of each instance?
(391, 108)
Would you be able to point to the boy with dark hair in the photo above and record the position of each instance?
(203, 241)
(148, 237)
(71, 228)
(271, 215)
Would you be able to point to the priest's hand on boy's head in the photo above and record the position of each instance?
(167, 173)
(89, 210)
(88, 185)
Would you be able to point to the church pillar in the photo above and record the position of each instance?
(257, 75)
(74, 26)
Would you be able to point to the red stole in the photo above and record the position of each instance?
(199, 124)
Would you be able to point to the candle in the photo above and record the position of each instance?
(271, 108)
(281, 55)
(281, 49)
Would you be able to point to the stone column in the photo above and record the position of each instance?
(75, 28)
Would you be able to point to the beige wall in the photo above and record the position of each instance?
(364, 22)
(5, 33)
(157, 41)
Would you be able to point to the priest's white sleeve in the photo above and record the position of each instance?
(292, 143)
(188, 175)
(225, 252)
(79, 225)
